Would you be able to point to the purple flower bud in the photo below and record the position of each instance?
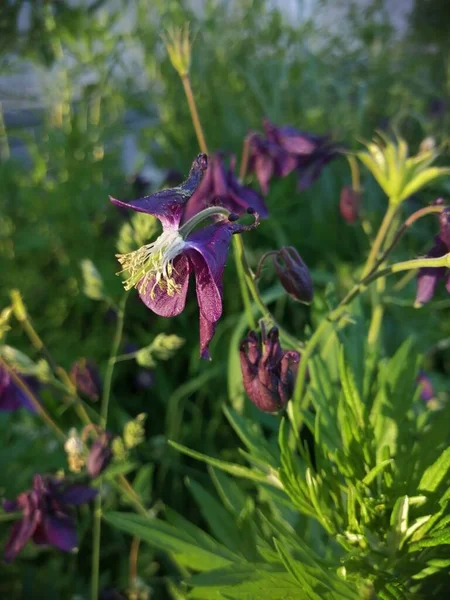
(294, 274)
(349, 204)
(47, 518)
(100, 455)
(268, 371)
(85, 376)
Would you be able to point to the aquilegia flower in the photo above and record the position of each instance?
(285, 149)
(428, 277)
(160, 270)
(219, 186)
(12, 396)
(47, 517)
(100, 455)
(86, 378)
(268, 371)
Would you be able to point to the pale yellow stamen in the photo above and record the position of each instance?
(152, 265)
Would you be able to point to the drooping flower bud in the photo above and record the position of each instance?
(349, 204)
(268, 371)
(86, 379)
(293, 274)
(100, 455)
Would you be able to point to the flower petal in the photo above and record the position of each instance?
(21, 532)
(60, 531)
(207, 250)
(168, 205)
(76, 494)
(207, 331)
(161, 303)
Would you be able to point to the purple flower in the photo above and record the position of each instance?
(86, 378)
(100, 455)
(349, 204)
(47, 518)
(285, 149)
(426, 387)
(268, 371)
(220, 186)
(12, 396)
(428, 277)
(293, 274)
(160, 271)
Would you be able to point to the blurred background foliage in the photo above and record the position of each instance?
(107, 106)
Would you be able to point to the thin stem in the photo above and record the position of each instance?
(386, 223)
(4, 145)
(238, 249)
(194, 114)
(123, 357)
(111, 363)
(261, 262)
(134, 553)
(34, 401)
(97, 525)
(96, 538)
(398, 235)
(245, 157)
(354, 169)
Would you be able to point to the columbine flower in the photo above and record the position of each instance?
(285, 149)
(47, 517)
(293, 274)
(100, 455)
(160, 270)
(12, 396)
(426, 387)
(267, 370)
(428, 277)
(85, 377)
(349, 204)
(219, 186)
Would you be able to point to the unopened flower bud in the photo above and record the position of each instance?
(100, 455)
(134, 431)
(293, 274)
(349, 204)
(86, 379)
(268, 371)
(74, 448)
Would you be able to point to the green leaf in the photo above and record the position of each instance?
(171, 539)
(422, 179)
(436, 473)
(231, 468)
(376, 470)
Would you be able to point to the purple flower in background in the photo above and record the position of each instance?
(285, 149)
(86, 378)
(426, 387)
(268, 371)
(160, 271)
(349, 204)
(428, 277)
(47, 517)
(220, 186)
(100, 455)
(12, 396)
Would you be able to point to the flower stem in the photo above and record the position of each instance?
(238, 248)
(35, 402)
(97, 517)
(194, 113)
(376, 247)
(354, 169)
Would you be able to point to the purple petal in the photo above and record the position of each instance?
(12, 397)
(426, 284)
(208, 249)
(202, 196)
(264, 169)
(162, 304)
(10, 505)
(76, 494)
(207, 330)
(21, 532)
(168, 205)
(60, 531)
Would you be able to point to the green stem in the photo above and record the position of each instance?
(376, 247)
(354, 169)
(97, 524)
(111, 363)
(35, 402)
(194, 113)
(238, 248)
